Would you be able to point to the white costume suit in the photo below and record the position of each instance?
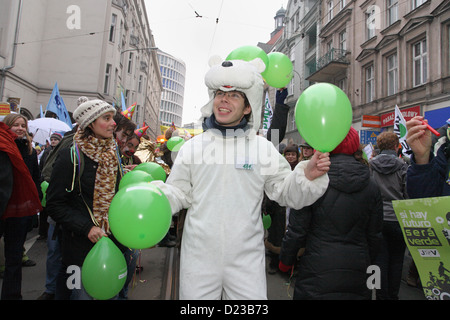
(221, 180)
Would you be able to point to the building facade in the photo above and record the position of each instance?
(381, 53)
(173, 73)
(97, 49)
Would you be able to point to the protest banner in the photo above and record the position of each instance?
(426, 229)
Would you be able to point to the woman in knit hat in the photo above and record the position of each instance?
(80, 203)
(341, 232)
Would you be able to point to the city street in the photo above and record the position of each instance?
(151, 283)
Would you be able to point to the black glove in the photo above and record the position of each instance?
(281, 95)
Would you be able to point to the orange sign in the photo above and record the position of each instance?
(4, 109)
(371, 121)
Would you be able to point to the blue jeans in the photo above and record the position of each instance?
(53, 261)
(131, 256)
(390, 260)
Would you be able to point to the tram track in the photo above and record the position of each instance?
(170, 281)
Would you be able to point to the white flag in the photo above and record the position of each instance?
(400, 131)
(268, 113)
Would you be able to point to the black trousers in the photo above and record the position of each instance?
(14, 232)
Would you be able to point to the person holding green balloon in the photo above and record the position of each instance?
(79, 204)
(341, 232)
(220, 177)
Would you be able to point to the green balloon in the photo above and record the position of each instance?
(44, 186)
(140, 216)
(104, 270)
(133, 177)
(280, 70)
(323, 115)
(154, 169)
(267, 221)
(249, 53)
(175, 143)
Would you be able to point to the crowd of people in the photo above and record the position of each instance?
(105, 142)
(332, 213)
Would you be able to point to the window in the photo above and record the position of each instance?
(130, 62)
(343, 40)
(342, 84)
(291, 125)
(370, 84)
(112, 29)
(330, 10)
(127, 97)
(329, 46)
(107, 78)
(370, 22)
(417, 3)
(392, 74)
(137, 113)
(121, 37)
(342, 4)
(140, 84)
(420, 66)
(392, 11)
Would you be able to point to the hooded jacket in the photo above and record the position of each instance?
(389, 172)
(341, 234)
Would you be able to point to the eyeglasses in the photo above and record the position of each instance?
(233, 95)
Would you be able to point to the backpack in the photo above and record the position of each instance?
(66, 142)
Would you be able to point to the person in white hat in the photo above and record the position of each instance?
(220, 177)
(80, 203)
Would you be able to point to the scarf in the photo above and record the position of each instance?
(24, 200)
(103, 152)
(211, 123)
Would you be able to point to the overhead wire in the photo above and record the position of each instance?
(215, 29)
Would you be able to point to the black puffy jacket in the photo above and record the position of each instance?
(68, 208)
(341, 233)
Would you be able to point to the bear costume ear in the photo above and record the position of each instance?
(259, 64)
(214, 61)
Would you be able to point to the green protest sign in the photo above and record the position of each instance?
(426, 228)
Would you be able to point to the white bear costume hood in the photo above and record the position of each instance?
(236, 75)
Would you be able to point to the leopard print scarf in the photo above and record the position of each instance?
(103, 152)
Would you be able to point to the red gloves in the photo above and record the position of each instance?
(283, 267)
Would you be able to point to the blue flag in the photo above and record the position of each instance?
(124, 105)
(57, 106)
(42, 113)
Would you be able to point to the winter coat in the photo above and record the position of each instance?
(431, 179)
(341, 233)
(67, 207)
(389, 172)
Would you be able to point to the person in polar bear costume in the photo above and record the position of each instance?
(220, 177)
